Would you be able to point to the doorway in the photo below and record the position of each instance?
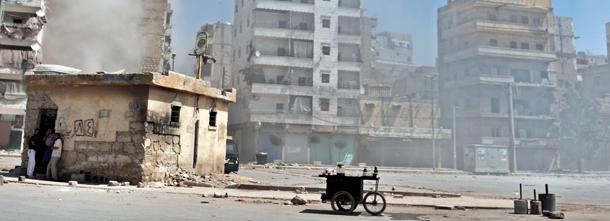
(46, 120)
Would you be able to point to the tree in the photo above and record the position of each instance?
(314, 139)
(340, 144)
(580, 133)
(276, 140)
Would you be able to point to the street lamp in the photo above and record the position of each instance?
(432, 117)
(173, 60)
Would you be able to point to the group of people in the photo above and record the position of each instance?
(51, 145)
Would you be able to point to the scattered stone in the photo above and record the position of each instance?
(298, 200)
(113, 183)
(437, 196)
(131, 191)
(72, 183)
(287, 203)
(556, 215)
(205, 202)
(141, 185)
(118, 191)
(205, 195)
(301, 190)
(125, 183)
(21, 178)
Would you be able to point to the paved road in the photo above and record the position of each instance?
(575, 189)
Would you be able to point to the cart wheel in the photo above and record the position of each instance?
(374, 203)
(343, 203)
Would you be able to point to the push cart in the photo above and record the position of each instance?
(345, 193)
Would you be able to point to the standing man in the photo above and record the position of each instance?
(57, 147)
(33, 148)
(48, 138)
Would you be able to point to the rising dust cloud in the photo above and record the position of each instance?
(94, 35)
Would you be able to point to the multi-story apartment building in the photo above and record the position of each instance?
(484, 46)
(20, 40)
(220, 37)
(299, 67)
(392, 57)
(588, 59)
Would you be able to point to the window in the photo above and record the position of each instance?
(466, 73)
(239, 52)
(282, 24)
(520, 75)
(240, 26)
(281, 52)
(303, 26)
(525, 46)
(234, 32)
(233, 54)
(377, 53)
(495, 71)
(213, 118)
(525, 20)
(540, 47)
(279, 79)
(513, 19)
(279, 108)
(493, 42)
(467, 102)
(17, 21)
(397, 54)
(326, 50)
(302, 81)
(466, 45)
(326, 23)
(247, 48)
(495, 105)
(513, 44)
(544, 75)
(175, 117)
(495, 132)
(248, 21)
(242, 3)
(324, 104)
(236, 8)
(537, 22)
(304, 1)
(492, 17)
(325, 78)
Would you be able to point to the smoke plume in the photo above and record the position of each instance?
(94, 35)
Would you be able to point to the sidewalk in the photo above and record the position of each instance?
(456, 202)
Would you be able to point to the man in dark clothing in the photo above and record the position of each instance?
(33, 148)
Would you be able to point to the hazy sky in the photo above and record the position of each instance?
(415, 17)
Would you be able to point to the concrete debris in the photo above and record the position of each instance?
(556, 215)
(21, 178)
(298, 200)
(205, 195)
(301, 190)
(113, 183)
(142, 185)
(125, 183)
(216, 195)
(73, 183)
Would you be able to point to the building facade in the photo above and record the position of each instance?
(139, 127)
(20, 40)
(392, 57)
(298, 67)
(156, 28)
(484, 46)
(220, 37)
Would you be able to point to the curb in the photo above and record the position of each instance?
(358, 169)
(320, 189)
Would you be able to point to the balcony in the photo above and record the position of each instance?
(261, 88)
(481, 79)
(19, 35)
(277, 31)
(529, 115)
(285, 59)
(499, 52)
(272, 116)
(496, 27)
(405, 132)
(349, 8)
(12, 62)
(305, 6)
(519, 142)
(37, 4)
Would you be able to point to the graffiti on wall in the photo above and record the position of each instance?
(82, 128)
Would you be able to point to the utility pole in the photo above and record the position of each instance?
(432, 118)
(511, 124)
(454, 141)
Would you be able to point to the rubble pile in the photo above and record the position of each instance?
(186, 178)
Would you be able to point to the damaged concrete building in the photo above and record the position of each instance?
(299, 67)
(20, 40)
(392, 57)
(220, 37)
(484, 46)
(156, 27)
(135, 127)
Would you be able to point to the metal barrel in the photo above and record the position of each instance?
(548, 203)
(520, 206)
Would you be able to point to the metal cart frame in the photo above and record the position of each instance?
(346, 192)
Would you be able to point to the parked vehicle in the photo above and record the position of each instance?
(231, 159)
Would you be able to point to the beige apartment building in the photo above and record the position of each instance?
(220, 37)
(484, 46)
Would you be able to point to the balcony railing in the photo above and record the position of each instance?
(349, 58)
(309, 27)
(344, 31)
(16, 59)
(295, 1)
(343, 84)
(286, 54)
(347, 4)
(347, 114)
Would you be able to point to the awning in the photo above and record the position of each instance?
(299, 129)
(319, 128)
